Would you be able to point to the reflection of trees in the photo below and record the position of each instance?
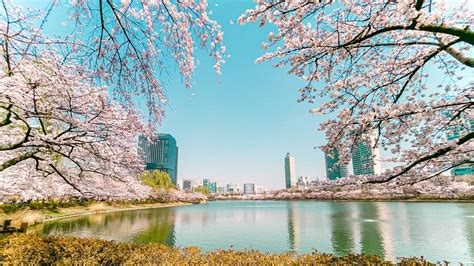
(62, 226)
(341, 232)
(142, 226)
(293, 227)
(161, 229)
(371, 239)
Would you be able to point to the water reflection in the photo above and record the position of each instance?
(293, 226)
(371, 241)
(143, 226)
(391, 229)
(469, 227)
(342, 238)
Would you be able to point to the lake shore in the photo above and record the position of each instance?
(34, 249)
(33, 217)
(355, 199)
(468, 199)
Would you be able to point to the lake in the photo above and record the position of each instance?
(437, 231)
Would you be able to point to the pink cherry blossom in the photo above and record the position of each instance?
(392, 73)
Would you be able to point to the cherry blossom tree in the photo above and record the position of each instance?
(129, 45)
(67, 111)
(55, 122)
(396, 74)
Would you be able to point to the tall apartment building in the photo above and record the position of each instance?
(453, 133)
(290, 174)
(334, 170)
(211, 185)
(363, 159)
(161, 154)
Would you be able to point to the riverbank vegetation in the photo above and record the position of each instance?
(34, 249)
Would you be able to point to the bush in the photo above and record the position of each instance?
(30, 249)
(157, 180)
(203, 190)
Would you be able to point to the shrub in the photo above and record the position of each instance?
(203, 190)
(30, 249)
(157, 180)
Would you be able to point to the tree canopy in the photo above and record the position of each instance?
(389, 73)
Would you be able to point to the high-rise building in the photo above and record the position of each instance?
(212, 186)
(187, 185)
(249, 189)
(454, 132)
(290, 175)
(161, 154)
(334, 169)
(206, 182)
(363, 159)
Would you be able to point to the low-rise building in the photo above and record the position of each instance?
(249, 189)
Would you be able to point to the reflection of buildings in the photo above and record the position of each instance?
(371, 239)
(334, 170)
(161, 154)
(342, 235)
(290, 174)
(293, 226)
(386, 229)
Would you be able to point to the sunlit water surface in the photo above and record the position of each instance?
(437, 231)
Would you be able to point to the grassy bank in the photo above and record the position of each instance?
(33, 249)
(38, 212)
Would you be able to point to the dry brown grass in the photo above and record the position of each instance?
(33, 249)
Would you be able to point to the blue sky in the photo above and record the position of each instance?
(240, 129)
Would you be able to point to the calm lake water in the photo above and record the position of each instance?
(437, 231)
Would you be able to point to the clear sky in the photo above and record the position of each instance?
(240, 129)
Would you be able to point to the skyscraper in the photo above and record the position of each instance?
(333, 169)
(187, 185)
(290, 175)
(453, 132)
(161, 154)
(212, 186)
(363, 159)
